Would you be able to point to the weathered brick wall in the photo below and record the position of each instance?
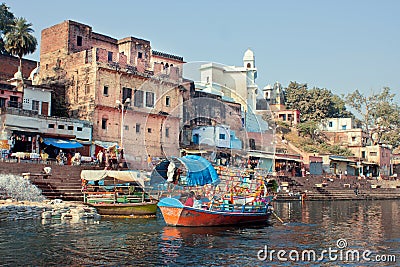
(122, 60)
(9, 66)
(54, 38)
(78, 30)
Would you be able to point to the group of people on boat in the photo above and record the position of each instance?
(193, 200)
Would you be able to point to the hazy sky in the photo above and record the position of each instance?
(340, 45)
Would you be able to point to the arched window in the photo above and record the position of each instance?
(248, 65)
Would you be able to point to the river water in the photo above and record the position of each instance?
(346, 229)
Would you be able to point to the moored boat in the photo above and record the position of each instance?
(117, 193)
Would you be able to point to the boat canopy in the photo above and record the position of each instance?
(97, 175)
(199, 171)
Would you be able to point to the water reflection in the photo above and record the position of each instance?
(149, 242)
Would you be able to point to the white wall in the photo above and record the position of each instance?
(208, 135)
(40, 124)
(338, 124)
(41, 95)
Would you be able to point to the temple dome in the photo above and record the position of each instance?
(248, 55)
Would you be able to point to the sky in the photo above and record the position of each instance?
(339, 45)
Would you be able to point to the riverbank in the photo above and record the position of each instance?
(12, 210)
(347, 188)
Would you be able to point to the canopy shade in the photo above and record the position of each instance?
(199, 171)
(126, 176)
(97, 175)
(105, 144)
(62, 143)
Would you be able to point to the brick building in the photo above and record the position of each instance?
(97, 71)
(9, 66)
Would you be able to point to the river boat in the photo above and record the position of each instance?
(175, 213)
(117, 193)
(217, 212)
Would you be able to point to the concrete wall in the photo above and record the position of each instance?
(36, 94)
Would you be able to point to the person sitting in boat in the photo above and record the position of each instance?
(190, 200)
(197, 202)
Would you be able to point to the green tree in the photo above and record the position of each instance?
(6, 20)
(19, 39)
(310, 129)
(380, 115)
(315, 104)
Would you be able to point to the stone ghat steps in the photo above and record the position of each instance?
(349, 194)
(63, 183)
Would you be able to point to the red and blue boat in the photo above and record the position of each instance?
(200, 172)
(175, 213)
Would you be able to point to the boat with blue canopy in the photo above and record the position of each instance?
(202, 206)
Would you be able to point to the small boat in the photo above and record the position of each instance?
(177, 214)
(117, 193)
(200, 172)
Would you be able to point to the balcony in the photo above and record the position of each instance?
(14, 104)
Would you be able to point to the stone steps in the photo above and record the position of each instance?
(64, 181)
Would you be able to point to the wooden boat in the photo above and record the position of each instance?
(197, 171)
(117, 193)
(177, 214)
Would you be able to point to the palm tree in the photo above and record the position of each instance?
(19, 40)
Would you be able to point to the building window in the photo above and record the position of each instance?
(138, 101)
(344, 127)
(222, 136)
(61, 127)
(126, 93)
(105, 90)
(126, 127)
(167, 101)
(252, 144)
(137, 127)
(79, 40)
(70, 128)
(79, 129)
(51, 125)
(87, 89)
(35, 105)
(139, 54)
(248, 65)
(110, 56)
(149, 130)
(149, 99)
(373, 154)
(2, 102)
(330, 124)
(104, 124)
(353, 139)
(167, 132)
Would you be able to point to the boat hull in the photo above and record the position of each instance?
(176, 214)
(126, 209)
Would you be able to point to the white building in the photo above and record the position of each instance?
(218, 136)
(37, 99)
(236, 82)
(338, 124)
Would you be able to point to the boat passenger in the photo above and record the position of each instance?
(197, 202)
(190, 200)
